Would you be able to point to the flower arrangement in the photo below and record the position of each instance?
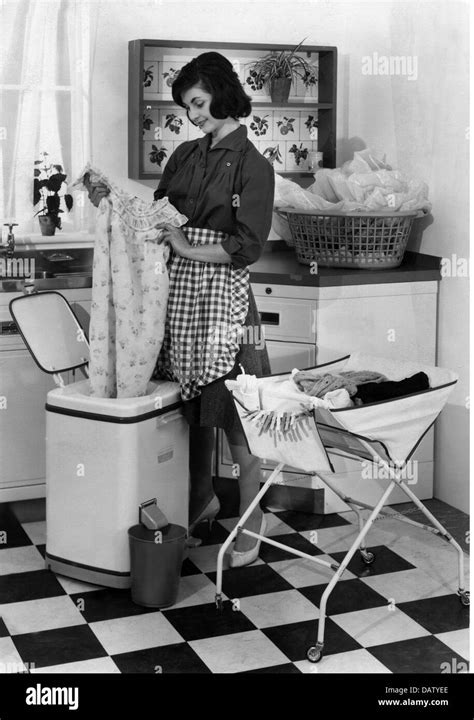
(47, 183)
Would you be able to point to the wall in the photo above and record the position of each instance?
(419, 123)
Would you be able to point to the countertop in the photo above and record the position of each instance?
(280, 266)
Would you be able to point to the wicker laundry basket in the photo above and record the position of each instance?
(350, 240)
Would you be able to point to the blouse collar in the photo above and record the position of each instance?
(235, 140)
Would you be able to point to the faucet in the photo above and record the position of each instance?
(9, 248)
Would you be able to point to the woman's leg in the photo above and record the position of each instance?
(249, 484)
(201, 446)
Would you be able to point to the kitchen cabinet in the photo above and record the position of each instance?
(319, 323)
(156, 125)
(23, 390)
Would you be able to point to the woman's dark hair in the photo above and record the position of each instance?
(217, 77)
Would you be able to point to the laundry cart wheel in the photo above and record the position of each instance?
(464, 596)
(315, 653)
(367, 556)
(219, 602)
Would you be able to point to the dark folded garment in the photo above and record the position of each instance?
(376, 391)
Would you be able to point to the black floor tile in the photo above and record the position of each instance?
(189, 568)
(420, 655)
(62, 645)
(455, 521)
(287, 669)
(3, 629)
(205, 621)
(42, 550)
(295, 639)
(310, 521)
(108, 604)
(11, 532)
(386, 561)
(347, 596)
(438, 614)
(216, 536)
(179, 658)
(33, 585)
(251, 580)
(270, 554)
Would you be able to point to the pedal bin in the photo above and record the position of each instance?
(156, 557)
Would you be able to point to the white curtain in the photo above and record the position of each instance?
(45, 78)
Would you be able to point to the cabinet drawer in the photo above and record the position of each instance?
(287, 319)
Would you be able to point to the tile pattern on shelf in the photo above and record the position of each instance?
(54, 624)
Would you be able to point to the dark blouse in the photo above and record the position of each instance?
(229, 187)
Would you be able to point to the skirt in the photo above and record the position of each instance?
(214, 407)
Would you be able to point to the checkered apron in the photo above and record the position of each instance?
(207, 306)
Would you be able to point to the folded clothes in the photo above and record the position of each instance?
(319, 385)
(376, 391)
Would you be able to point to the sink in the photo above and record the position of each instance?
(52, 271)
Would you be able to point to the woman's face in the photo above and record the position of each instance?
(197, 103)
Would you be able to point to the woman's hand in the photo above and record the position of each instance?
(176, 238)
(96, 191)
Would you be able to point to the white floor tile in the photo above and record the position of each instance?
(278, 608)
(355, 661)
(36, 531)
(409, 585)
(432, 555)
(136, 632)
(380, 625)
(41, 614)
(103, 665)
(195, 590)
(457, 640)
(71, 585)
(205, 558)
(10, 659)
(302, 573)
(20, 559)
(340, 538)
(238, 652)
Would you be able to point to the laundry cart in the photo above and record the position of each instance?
(291, 428)
(104, 456)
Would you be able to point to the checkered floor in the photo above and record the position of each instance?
(399, 615)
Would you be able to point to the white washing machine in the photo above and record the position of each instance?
(104, 457)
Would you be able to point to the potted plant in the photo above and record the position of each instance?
(47, 183)
(279, 70)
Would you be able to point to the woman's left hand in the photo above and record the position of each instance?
(176, 238)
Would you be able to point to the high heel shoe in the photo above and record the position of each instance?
(239, 559)
(208, 514)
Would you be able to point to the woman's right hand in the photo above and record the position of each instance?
(96, 191)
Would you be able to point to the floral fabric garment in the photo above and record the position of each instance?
(129, 291)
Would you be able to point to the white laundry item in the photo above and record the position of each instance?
(338, 399)
(129, 290)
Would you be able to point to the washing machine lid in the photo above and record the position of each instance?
(51, 331)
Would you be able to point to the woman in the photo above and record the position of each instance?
(225, 187)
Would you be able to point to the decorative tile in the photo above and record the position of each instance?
(167, 73)
(278, 608)
(108, 604)
(308, 129)
(260, 125)
(406, 585)
(286, 125)
(20, 559)
(151, 129)
(156, 155)
(174, 125)
(345, 597)
(150, 77)
(274, 151)
(240, 651)
(251, 86)
(29, 586)
(297, 156)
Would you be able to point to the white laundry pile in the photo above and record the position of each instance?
(129, 290)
